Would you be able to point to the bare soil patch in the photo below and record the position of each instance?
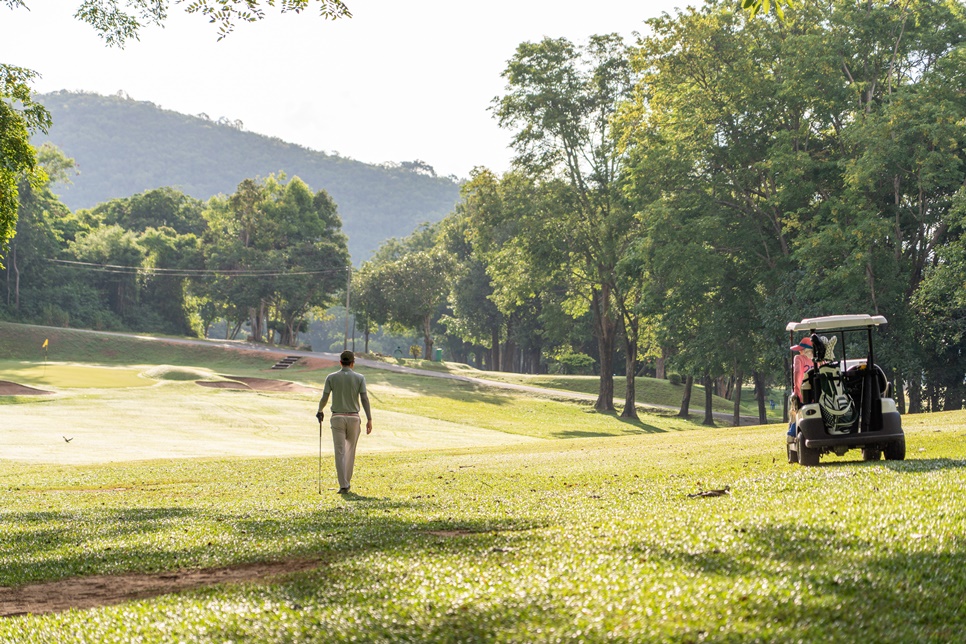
(317, 363)
(305, 362)
(107, 590)
(451, 534)
(258, 384)
(13, 389)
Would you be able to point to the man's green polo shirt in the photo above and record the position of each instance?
(346, 387)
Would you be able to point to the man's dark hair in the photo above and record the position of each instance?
(347, 358)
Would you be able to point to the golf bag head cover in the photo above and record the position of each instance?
(818, 347)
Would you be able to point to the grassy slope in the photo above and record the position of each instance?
(591, 538)
(649, 390)
(107, 422)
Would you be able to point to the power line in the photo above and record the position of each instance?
(188, 272)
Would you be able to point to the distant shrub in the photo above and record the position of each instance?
(674, 378)
(572, 363)
(53, 315)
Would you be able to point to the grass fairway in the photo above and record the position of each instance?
(477, 515)
(586, 539)
(66, 375)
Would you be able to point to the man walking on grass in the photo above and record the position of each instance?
(347, 388)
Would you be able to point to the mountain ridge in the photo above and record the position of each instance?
(123, 147)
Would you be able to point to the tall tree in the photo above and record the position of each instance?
(274, 247)
(415, 288)
(560, 103)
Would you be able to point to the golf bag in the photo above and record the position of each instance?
(839, 412)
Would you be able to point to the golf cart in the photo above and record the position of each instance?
(846, 402)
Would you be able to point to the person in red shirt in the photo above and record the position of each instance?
(804, 361)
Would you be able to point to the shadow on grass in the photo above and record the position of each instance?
(925, 464)
(836, 582)
(55, 545)
(814, 583)
(908, 465)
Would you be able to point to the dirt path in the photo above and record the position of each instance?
(107, 590)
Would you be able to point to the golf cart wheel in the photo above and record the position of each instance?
(806, 455)
(871, 453)
(896, 450)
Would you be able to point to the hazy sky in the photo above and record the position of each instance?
(399, 81)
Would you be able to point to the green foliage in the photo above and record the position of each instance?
(276, 251)
(790, 169)
(162, 207)
(570, 363)
(117, 22)
(20, 116)
(753, 7)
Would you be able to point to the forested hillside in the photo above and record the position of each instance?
(123, 147)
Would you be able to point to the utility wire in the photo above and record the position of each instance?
(188, 272)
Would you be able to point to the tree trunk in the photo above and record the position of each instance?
(255, 324)
(494, 348)
(630, 374)
(659, 370)
(606, 328)
(708, 401)
(509, 355)
(760, 395)
(16, 279)
(686, 399)
(897, 392)
(428, 337)
(787, 368)
(736, 398)
(366, 336)
(915, 394)
(262, 317)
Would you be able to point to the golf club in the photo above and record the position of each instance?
(320, 456)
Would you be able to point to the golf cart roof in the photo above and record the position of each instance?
(836, 322)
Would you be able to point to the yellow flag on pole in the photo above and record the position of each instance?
(46, 340)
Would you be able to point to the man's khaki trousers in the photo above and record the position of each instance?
(345, 435)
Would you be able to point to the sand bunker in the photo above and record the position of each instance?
(258, 384)
(13, 389)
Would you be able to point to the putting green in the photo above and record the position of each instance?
(72, 376)
(182, 420)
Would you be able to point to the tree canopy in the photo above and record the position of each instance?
(119, 21)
